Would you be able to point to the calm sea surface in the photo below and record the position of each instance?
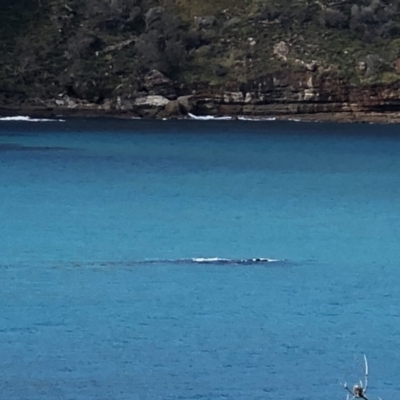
(85, 204)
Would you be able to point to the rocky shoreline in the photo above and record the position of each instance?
(59, 112)
(282, 97)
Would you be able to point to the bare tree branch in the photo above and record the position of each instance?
(359, 389)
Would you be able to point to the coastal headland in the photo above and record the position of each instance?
(293, 59)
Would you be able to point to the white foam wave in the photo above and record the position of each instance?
(243, 118)
(209, 117)
(240, 118)
(229, 118)
(210, 259)
(29, 119)
(218, 260)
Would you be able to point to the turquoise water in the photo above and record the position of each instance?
(85, 202)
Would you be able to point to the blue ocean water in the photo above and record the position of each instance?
(85, 202)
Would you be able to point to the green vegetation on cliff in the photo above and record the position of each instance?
(98, 49)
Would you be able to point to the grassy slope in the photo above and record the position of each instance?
(336, 50)
(51, 48)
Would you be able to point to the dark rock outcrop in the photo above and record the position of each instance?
(157, 83)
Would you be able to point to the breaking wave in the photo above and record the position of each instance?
(29, 119)
(232, 261)
(209, 117)
(243, 118)
(229, 118)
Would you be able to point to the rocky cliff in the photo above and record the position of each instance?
(301, 59)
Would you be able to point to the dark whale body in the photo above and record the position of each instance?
(213, 261)
(183, 261)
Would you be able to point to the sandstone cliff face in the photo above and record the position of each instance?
(168, 58)
(305, 97)
(283, 96)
